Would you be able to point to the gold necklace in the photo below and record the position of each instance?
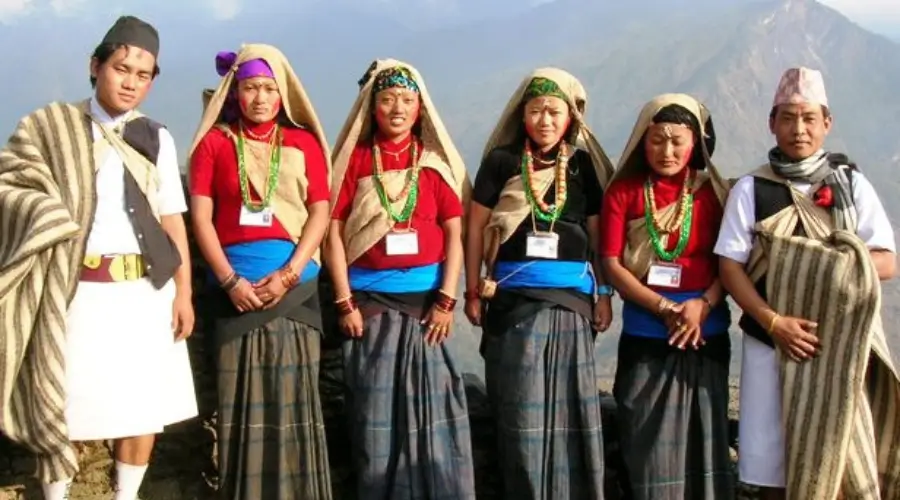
(396, 154)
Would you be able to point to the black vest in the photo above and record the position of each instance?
(769, 198)
(161, 257)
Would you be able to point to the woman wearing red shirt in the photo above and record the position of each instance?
(259, 181)
(394, 255)
(659, 223)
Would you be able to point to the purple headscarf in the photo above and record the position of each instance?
(255, 67)
(248, 69)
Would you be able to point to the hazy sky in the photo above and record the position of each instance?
(875, 13)
(881, 15)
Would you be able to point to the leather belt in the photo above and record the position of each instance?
(112, 268)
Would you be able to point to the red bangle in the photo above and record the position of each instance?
(445, 302)
(346, 306)
(472, 295)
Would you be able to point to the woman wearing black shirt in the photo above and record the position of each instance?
(534, 224)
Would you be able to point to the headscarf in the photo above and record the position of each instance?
(368, 221)
(386, 73)
(294, 101)
(247, 69)
(231, 110)
(558, 83)
(632, 161)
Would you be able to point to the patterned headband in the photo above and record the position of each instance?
(543, 87)
(395, 77)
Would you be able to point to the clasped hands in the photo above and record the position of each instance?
(264, 294)
(685, 321)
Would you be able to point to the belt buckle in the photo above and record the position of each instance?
(117, 270)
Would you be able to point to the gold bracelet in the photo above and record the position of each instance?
(775, 317)
(664, 305)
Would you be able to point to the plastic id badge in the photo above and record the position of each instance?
(263, 218)
(664, 274)
(542, 245)
(402, 243)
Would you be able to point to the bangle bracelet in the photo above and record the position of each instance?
(445, 302)
(664, 305)
(346, 306)
(231, 283)
(471, 295)
(709, 303)
(288, 277)
(775, 317)
(605, 290)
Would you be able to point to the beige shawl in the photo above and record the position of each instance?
(368, 222)
(841, 411)
(639, 254)
(512, 207)
(816, 221)
(289, 199)
(46, 210)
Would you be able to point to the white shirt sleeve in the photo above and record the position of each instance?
(874, 227)
(736, 233)
(171, 190)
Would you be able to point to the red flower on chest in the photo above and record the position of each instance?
(824, 197)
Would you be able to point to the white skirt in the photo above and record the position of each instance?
(125, 374)
(762, 449)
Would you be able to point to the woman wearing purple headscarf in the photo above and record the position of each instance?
(259, 200)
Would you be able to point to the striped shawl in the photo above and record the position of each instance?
(841, 410)
(46, 204)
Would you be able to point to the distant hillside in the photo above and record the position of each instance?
(731, 58)
(473, 54)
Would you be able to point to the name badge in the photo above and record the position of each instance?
(262, 218)
(664, 274)
(542, 245)
(402, 243)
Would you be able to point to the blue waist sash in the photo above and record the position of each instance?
(545, 274)
(640, 322)
(255, 260)
(404, 280)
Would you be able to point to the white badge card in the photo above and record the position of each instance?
(664, 274)
(402, 243)
(263, 218)
(542, 245)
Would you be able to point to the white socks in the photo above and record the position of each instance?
(58, 490)
(128, 480)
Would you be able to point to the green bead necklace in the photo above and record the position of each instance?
(540, 209)
(687, 209)
(410, 187)
(271, 177)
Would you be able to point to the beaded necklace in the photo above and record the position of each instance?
(271, 177)
(260, 137)
(683, 219)
(540, 208)
(410, 188)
